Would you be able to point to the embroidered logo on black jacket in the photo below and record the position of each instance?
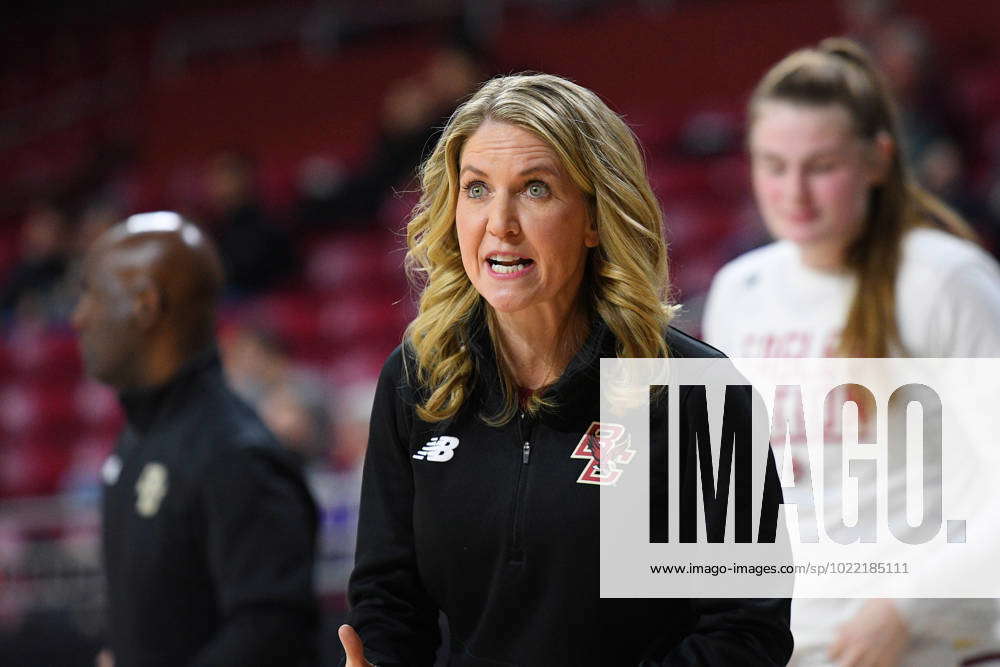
(438, 449)
(150, 489)
(607, 447)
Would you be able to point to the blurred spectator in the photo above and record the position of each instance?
(943, 171)
(325, 427)
(935, 135)
(904, 53)
(296, 405)
(97, 217)
(256, 253)
(297, 411)
(256, 361)
(993, 204)
(413, 110)
(353, 412)
(35, 288)
(865, 19)
(293, 401)
(338, 489)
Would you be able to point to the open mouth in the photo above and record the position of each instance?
(507, 264)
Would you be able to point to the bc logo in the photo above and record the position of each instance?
(607, 447)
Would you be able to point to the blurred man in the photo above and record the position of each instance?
(35, 286)
(256, 253)
(208, 528)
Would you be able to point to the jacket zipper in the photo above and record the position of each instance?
(523, 432)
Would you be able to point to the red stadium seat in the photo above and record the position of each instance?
(348, 261)
(96, 404)
(31, 467)
(36, 353)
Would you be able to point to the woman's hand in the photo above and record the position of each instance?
(353, 647)
(875, 637)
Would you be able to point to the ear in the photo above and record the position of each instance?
(883, 152)
(147, 306)
(591, 238)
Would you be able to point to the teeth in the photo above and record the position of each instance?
(500, 268)
(504, 258)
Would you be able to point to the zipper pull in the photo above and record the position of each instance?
(525, 452)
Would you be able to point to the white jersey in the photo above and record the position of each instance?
(766, 303)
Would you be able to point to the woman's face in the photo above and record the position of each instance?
(812, 176)
(523, 226)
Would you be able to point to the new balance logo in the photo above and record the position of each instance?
(439, 449)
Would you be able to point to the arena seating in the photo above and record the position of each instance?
(352, 302)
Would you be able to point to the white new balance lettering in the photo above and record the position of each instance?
(438, 449)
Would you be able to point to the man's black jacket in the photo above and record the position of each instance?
(208, 532)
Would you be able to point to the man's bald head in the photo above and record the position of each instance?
(148, 303)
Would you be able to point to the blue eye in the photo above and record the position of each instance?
(537, 189)
(772, 167)
(476, 190)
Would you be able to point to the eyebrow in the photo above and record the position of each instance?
(818, 155)
(538, 169)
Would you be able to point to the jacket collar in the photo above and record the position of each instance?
(578, 387)
(143, 405)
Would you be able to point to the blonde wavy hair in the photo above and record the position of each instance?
(626, 280)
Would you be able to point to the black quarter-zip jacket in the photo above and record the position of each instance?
(208, 532)
(489, 525)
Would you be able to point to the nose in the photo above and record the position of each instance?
(798, 187)
(76, 317)
(503, 218)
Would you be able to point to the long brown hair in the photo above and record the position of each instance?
(839, 72)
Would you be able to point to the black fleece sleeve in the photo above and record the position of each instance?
(390, 609)
(736, 631)
(260, 544)
(732, 632)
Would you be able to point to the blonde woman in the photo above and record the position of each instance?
(539, 248)
(866, 264)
